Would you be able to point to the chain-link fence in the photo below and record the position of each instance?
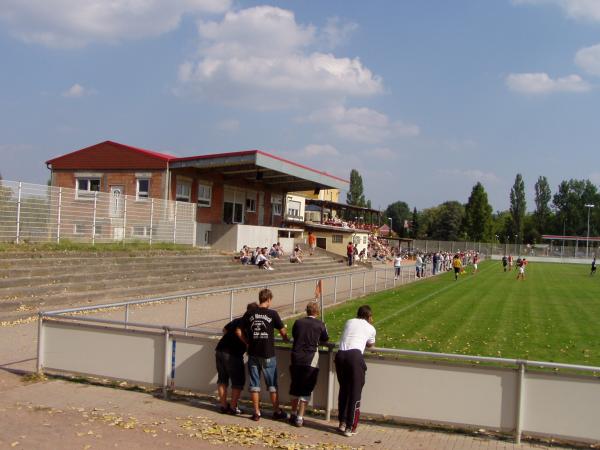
(38, 213)
(553, 248)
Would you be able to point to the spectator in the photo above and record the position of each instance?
(262, 261)
(419, 265)
(312, 242)
(229, 355)
(350, 367)
(350, 253)
(397, 266)
(274, 252)
(259, 326)
(255, 254)
(296, 256)
(244, 256)
(308, 333)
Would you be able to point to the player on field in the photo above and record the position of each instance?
(475, 263)
(521, 263)
(510, 262)
(457, 265)
(593, 270)
(504, 262)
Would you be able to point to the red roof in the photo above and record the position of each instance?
(113, 155)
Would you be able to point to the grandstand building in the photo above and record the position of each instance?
(241, 197)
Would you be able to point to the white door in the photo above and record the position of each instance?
(116, 201)
(261, 208)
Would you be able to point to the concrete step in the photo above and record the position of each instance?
(25, 287)
(99, 267)
(25, 306)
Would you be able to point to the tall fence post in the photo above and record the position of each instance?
(165, 386)
(330, 383)
(375, 287)
(335, 281)
(59, 215)
(385, 278)
(231, 305)
(94, 218)
(350, 297)
(365, 283)
(187, 311)
(126, 316)
(175, 224)
(519, 402)
(401, 275)
(40, 344)
(124, 218)
(18, 231)
(151, 219)
(294, 297)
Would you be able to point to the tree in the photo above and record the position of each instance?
(414, 226)
(571, 213)
(518, 206)
(542, 213)
(447, 225)
(399, 212)
(478, 215)
(355, 196)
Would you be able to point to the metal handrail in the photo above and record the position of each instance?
(208, 292)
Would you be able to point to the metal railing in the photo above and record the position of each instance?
(38, 213)
(335, 289)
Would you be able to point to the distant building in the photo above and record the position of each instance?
(241, 197)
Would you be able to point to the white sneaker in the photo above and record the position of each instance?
(270, 268)
(349, 433)
(342, 428)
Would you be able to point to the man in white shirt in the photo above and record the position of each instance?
(397, 266)
(350, 367)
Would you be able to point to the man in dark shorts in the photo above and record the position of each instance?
(593, 270)
(308, 333)
(229, 355)
(504, 262)
(350, 253)
(258, 331)
(350, 367)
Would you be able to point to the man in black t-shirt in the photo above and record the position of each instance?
(308, 333)
(258, 331)
(229, 355)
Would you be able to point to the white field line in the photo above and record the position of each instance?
(427, 297)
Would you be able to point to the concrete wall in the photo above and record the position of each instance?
(234, 237)
(415, 391)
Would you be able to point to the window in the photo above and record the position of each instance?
(87, 187)
(184, 191)
(276, 203)
(141, 230)
(337, 238)
(233, 206)
(293, 208)
(204, 195)
(142, 189)
(364, 239)
(251, 203)
(79, 228)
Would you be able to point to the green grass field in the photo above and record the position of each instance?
(554, 315)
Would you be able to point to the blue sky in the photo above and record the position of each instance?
(423, 98)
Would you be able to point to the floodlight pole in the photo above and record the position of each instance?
(391, 225)
(587, 241)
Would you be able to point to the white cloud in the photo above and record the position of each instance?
(588, 59)
(320, 150)
(595, 177)
(383, 153)
(362, 124)
(336, 32)
(259, 57)
(76, 91)
(228, 125)
(473, 175)
(542, 83)
(76, 23)
(588, 10)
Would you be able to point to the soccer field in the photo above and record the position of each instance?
(553, 315)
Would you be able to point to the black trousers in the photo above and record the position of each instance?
(350, 369)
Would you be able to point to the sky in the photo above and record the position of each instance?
(423, 98)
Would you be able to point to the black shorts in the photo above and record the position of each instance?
(457, 270)
(304, 380)
(230, 367)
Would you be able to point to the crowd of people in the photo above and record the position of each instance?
(263, 257)
(254, 334)
(351, 224)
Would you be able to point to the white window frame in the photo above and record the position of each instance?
(251, 202)
(204, 201)
(142, 195)
(86, 194)
(289, 209)
(337, 238)
(183, 183)
(277, 205)
(146, 231)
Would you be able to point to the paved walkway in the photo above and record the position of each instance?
(54, 413)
